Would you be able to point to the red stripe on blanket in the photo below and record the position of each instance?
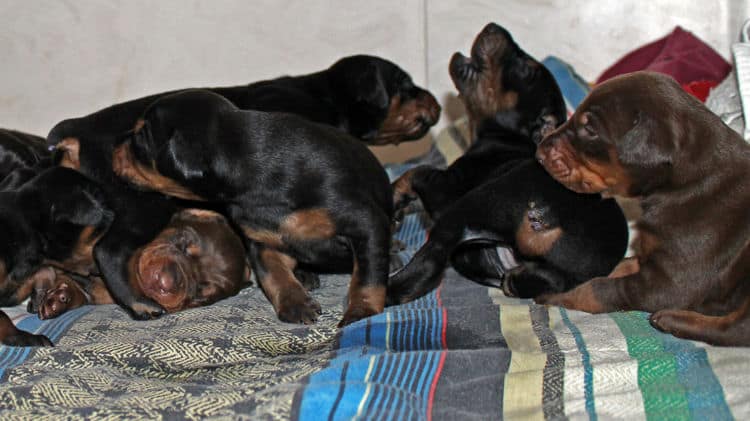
(439, 370)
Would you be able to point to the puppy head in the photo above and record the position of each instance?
(383, 104)
(500, 78)
(65, 294)
(624, 139)
(195, 260)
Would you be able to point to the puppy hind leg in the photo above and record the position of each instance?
(275, 273)
(370, 250)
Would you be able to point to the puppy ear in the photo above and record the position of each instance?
(649, 149)
(371, 89)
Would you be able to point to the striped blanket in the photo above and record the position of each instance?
(462, 352)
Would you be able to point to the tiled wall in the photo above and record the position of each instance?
(68, 58)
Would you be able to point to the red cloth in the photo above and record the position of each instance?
(680, 54)
(700, 89)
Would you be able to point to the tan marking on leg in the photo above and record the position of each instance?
(627, 266)
(535, 243)
(280, 277)
(128, 168)
(269, 238)
(364, 301)
(308, 224)
(71, 153)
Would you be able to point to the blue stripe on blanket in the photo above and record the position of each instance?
(366, 377)
(588, 373)
(13, 356)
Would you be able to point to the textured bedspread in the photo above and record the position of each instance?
(464, 351)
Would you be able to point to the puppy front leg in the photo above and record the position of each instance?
(604, 295)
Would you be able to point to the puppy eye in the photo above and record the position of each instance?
(589, 130)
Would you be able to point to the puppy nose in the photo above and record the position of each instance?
(492, 28)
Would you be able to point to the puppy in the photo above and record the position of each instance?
(195, 261)
(498, 194)
(367, 97)
(640, 135)
(301, 193)
(20, 154)
(52, 220)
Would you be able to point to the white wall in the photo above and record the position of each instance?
(67, 58)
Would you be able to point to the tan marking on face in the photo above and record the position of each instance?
(71, 153)
(403, 119)
(128, 168)
(535, 243)
(308, 224)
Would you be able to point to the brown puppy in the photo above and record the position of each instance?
(195, 261)
(641, 135)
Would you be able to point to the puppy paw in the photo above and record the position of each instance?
(146, 310)
(673, 321)
(298, 307)
(403, 194)
(22, 338)
(356, 313)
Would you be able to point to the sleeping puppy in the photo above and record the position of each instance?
(497, 194)
(195, 261)
(367, 97)
(642, 136)
(303, 194)
(20, 154)
(52, 220)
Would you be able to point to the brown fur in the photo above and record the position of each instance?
(690, 172)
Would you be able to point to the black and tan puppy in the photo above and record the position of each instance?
(52, 220)
(22, 156)
(195, 261)
(368, 97)
(641, 135)
(302, 193)
(498, 194)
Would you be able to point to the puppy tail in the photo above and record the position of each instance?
(732, 329)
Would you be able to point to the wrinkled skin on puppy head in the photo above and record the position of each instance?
(618, 142)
